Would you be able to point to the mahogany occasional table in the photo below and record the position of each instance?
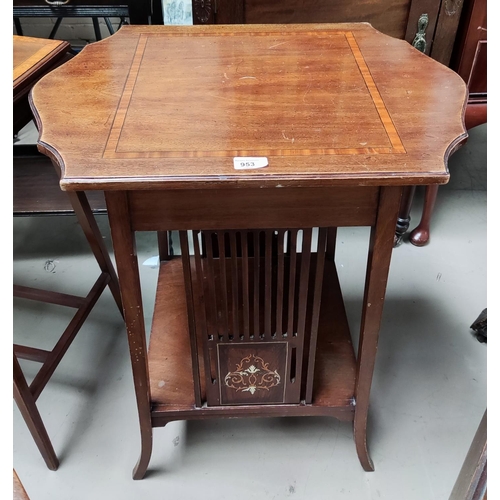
(244, 139)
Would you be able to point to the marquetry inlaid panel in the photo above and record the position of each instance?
(253, 298)
(252, 373)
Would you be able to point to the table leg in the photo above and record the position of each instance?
(377, 270)
(29, 411)
(128, 272)
(87, 221)
(403, 222)
(420, 235)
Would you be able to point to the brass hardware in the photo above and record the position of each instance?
(419, 42)
(202, 9)
(56, 3)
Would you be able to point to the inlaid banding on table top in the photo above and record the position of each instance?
(30, 59)
(207, 126)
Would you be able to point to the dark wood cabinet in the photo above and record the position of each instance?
(470, 59)
(428, 24)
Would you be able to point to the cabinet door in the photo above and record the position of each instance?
(469, 58)
(429, 25)
(450, 14)
(422, 21)
(432, 27)
(388, 16)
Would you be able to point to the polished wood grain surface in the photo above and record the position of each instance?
(32, 54)
(327, 104)
(252, 208)
(32, 59)
(238, 97)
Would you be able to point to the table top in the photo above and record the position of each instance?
(31, 56)
(161, 107)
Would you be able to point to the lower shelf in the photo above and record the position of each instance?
(170, 369)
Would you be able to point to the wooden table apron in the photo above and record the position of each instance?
(347, 118)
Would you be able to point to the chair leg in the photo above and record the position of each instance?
(31, 415)
(420, 235)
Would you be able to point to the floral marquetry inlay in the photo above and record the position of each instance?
(251, 375)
